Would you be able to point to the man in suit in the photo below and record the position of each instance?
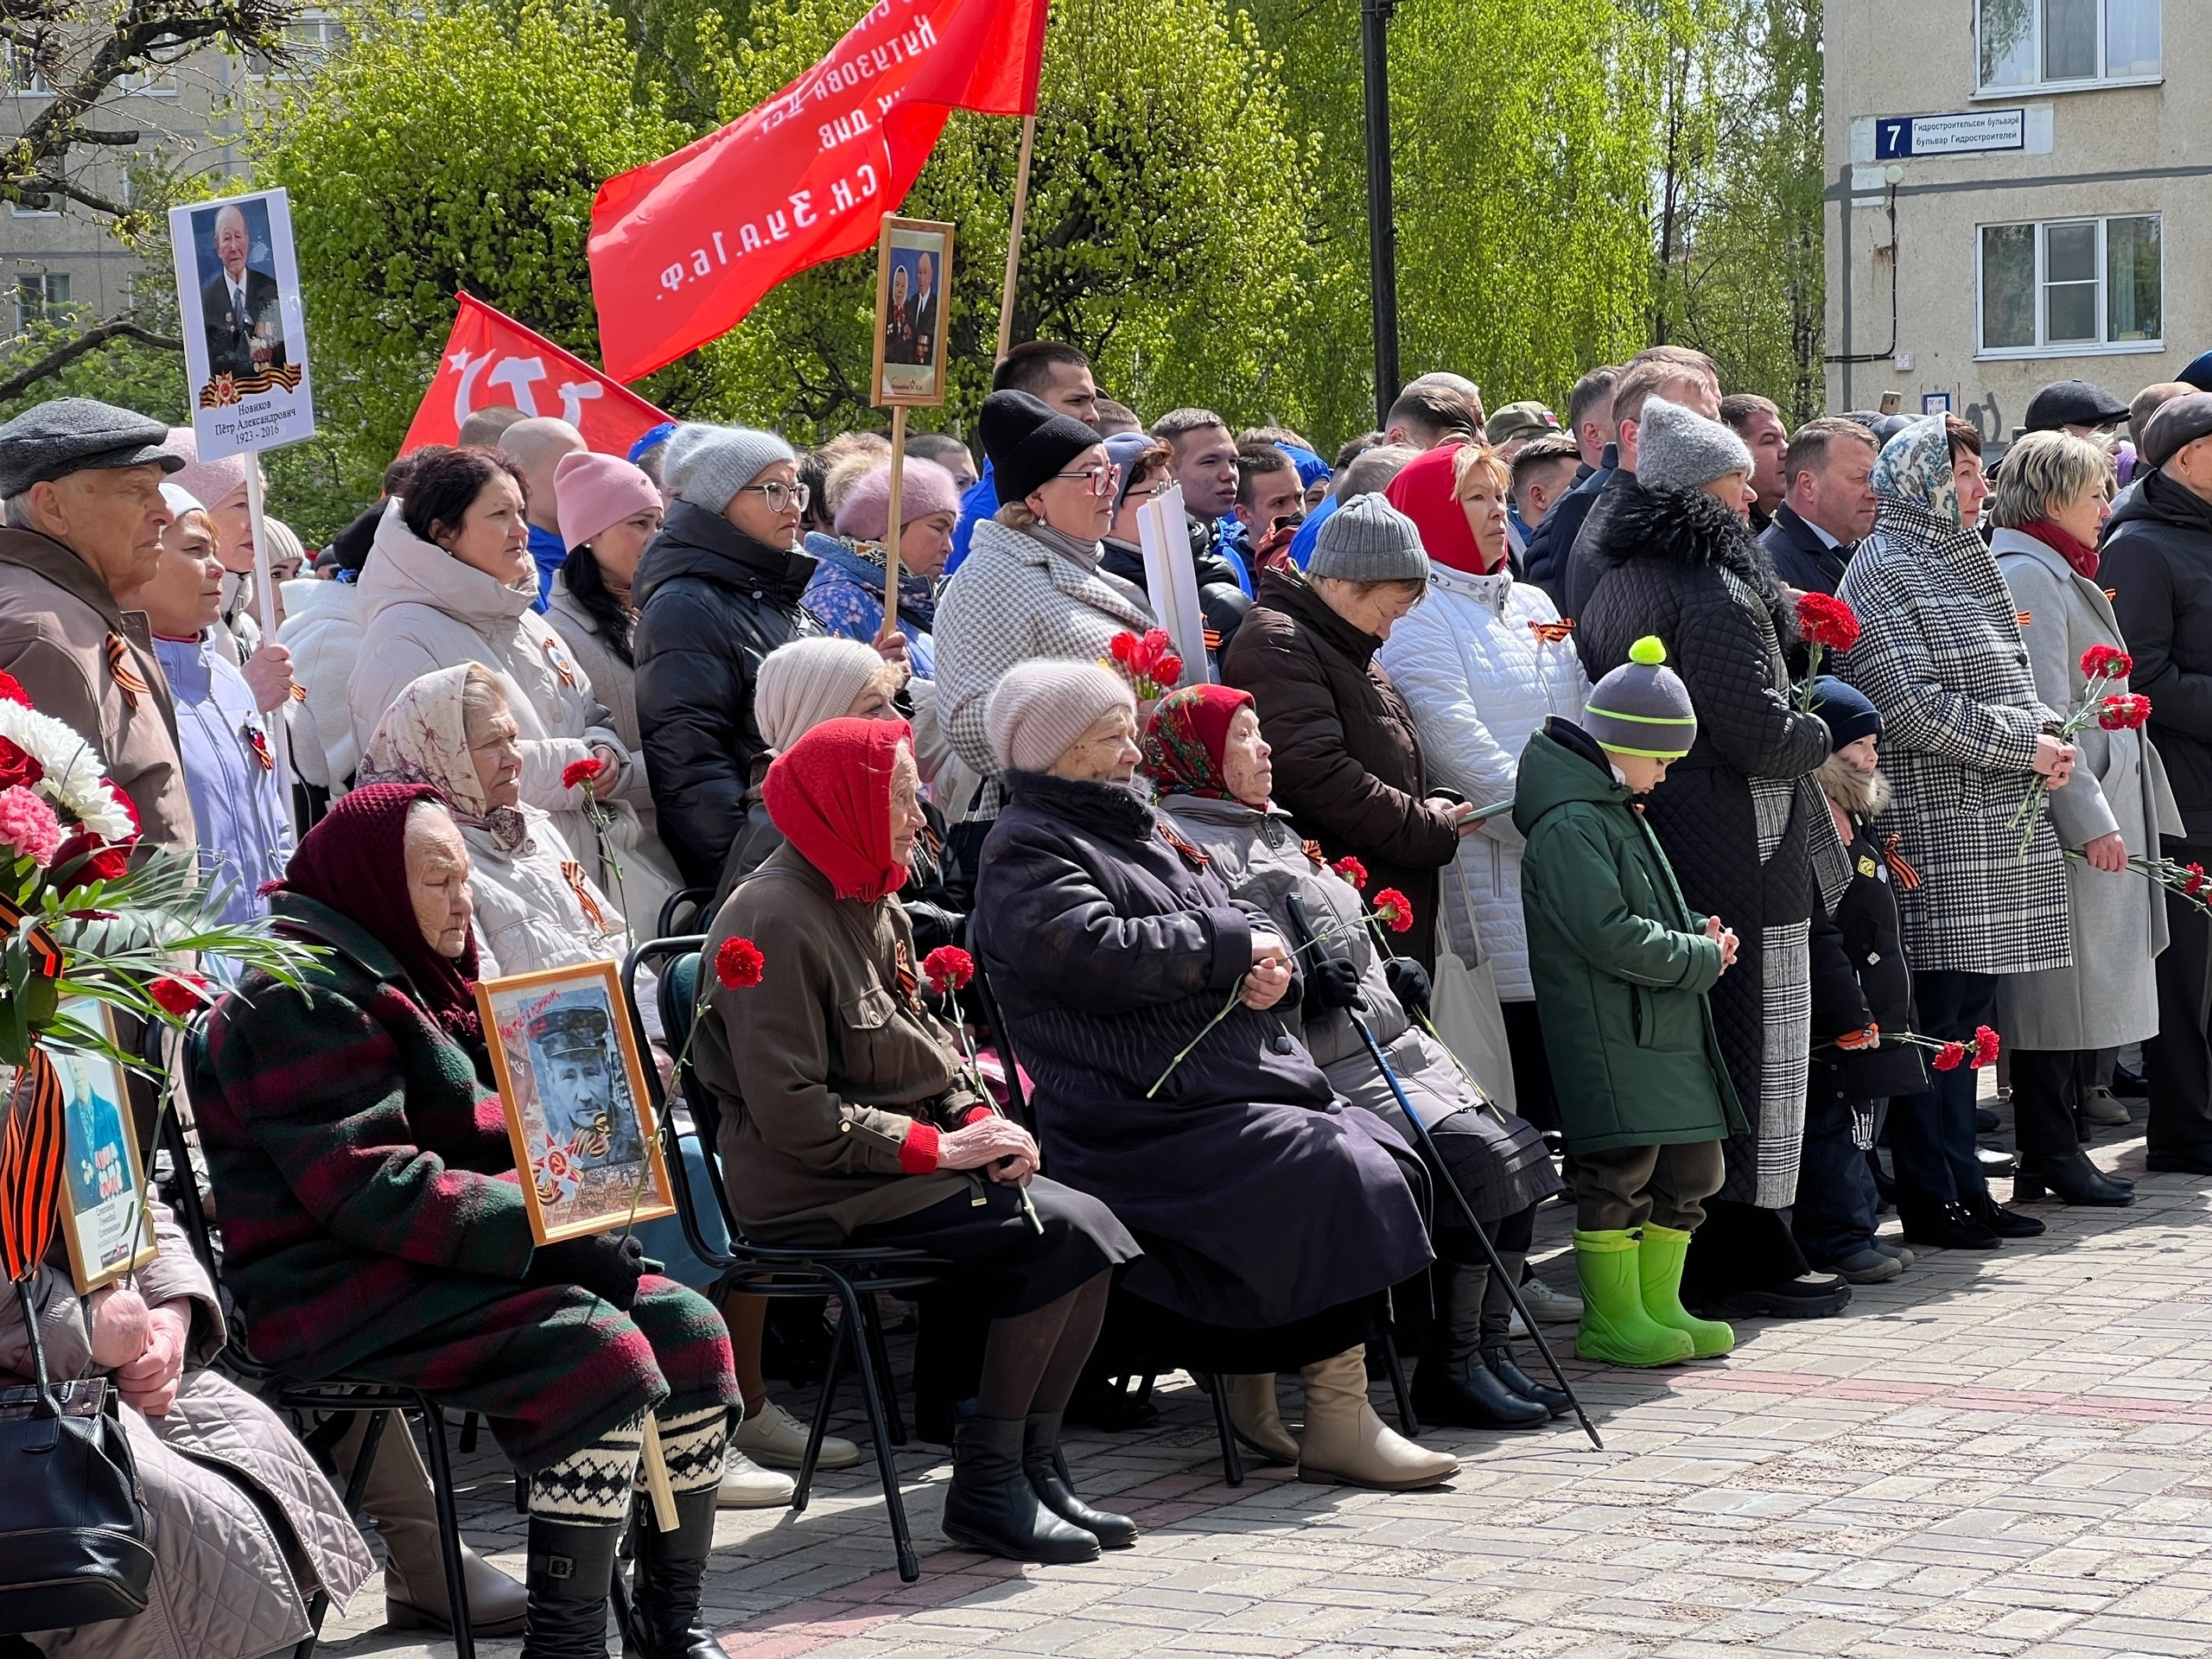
(924, 310)
(1829, 506)
(237, 302)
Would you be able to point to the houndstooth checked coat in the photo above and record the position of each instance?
(1940, 654)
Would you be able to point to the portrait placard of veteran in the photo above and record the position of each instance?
(573, 1086)
(238, 289)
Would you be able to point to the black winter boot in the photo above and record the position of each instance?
(1040, 1460)
(571, 1567)
(1451, 1385)
(992, 1507)
(671, 1575)
(1498, 1359)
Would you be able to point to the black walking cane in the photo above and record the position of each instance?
(1301, 924)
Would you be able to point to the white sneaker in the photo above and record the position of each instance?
(747, 1485)
(1550, 1306)
(773, 1436)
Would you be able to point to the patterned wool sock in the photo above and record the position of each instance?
(592, 1486)
(692, 1445)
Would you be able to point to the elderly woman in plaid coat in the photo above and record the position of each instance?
(1940, 653)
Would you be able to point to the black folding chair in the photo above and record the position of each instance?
(333, 1396)
(853, 1275)
(682, 912)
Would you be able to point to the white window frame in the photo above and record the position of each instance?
(10, 56)
(2101, 347)
(2096, 83)
(47, 302)
(330, 31)
(17, 210)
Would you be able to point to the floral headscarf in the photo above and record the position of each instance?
(1183, 746)
(423, 738)
(1916, 470)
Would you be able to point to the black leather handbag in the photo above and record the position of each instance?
(76, 1532)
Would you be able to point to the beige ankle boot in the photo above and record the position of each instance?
(1252, 1414)
(399, 1500)
(1346, 1444)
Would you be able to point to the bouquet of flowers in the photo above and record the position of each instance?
(1949, 1056)
(1826, 624)
(2187, 880)
(1149, 663)
(2101, 666)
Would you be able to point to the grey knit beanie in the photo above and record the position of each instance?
(809, 681)
(1643, 707)
(1040, 707)
(708, 465)
(1367, 539)
(1678, 449)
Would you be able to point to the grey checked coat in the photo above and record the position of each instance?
(2109, 997)
(1013, 599)
(1940, 654)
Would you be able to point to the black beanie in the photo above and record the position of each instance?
(1028, 441)
(1847, 711)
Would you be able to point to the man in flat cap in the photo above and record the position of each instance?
(2156, 562)
(81, 519)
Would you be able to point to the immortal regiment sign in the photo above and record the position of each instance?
(246, 340)
(491, 360)
(682, 250)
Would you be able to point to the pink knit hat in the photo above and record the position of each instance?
(210, 481)
(593, 492)
(926, 489)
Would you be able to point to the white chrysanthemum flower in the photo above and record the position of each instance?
(75, 780)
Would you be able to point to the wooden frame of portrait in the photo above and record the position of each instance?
(903, 387)
(88, 1275)
(504, 1005)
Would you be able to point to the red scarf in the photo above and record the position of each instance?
(355, 861)
(1183, 744)
(1423, 492)
(2077, 553)
(830, 793)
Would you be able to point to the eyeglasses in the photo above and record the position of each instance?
(781, 497)
(1103, 478)
(1149, 492)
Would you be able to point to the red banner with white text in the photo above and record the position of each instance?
(491, 361)
(683, 249)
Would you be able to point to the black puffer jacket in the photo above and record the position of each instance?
(711, 603)
(2157, 561)
(1860, 976)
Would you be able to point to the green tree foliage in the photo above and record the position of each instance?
(453, 146)
(1165, 232)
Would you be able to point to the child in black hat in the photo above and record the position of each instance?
(1862, 1001)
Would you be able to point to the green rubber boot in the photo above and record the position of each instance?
(1615, 1327)
(1660, 1262)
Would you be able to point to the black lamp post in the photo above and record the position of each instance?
(1382, 231)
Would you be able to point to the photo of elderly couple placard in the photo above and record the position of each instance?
(246, 340)
(586, 1142)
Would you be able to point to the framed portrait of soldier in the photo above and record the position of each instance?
(106, 1221)
(586, 1146)
(913, 281)
(245, 345)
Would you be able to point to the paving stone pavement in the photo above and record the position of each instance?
(2005, 1454)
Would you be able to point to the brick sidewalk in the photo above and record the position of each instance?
(2006, 1453)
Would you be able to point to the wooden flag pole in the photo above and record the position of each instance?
(265, 584)
(1013, 238)
(891, 530)
(654, 1462)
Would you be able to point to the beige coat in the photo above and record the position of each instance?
(423, 609)
(247, 1528)
(56, 618)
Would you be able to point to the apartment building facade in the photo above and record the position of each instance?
(2018, 193)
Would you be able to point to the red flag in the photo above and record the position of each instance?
(491, 360)
(683, 249)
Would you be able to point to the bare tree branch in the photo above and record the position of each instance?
(91, 341)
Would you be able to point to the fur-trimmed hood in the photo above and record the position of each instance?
(1690, 528)
(1863, 794)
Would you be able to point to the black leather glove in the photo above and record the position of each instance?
(1408, 982)
(1332, 982)
(606, 1264)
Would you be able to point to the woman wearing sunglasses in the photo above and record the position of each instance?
(1032, 584)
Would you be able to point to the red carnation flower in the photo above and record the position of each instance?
(12, 690)
(738, 964)
(948, 968)
(2124, 713)
(585, 772)
(1352, 871)
(2193, 881)
(1122, 646)
(1827, 621)
(1985, 1047)
(1393, 910)
(179, 994)
(17, 766)
(102, 862)
(2107, 662)
(1950, 1056)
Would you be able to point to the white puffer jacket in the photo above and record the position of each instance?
(322, 630)
(1481, 680)
(422, 609)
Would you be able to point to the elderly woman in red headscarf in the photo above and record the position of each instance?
(374, 1229)
(1205, 753)
(849, 1116)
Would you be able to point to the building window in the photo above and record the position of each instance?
(2059, 43)
(40, 204)
(309, 39)
(19, 74)
(2071, 286)
(42, 297)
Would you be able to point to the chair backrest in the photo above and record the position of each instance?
(682, 911)
(676, 962)
(1017, 1098)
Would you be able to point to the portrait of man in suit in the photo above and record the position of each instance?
(924, 310)
(898, 329)
(238, 304)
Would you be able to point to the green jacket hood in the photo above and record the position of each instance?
(1555, 769)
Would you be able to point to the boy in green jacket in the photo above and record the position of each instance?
(1621, 969)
